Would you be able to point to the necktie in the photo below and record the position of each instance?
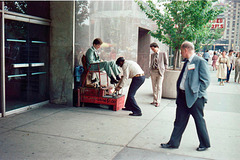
(155, 65)
(181, 74)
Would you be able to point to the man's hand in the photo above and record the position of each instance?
(117, 88)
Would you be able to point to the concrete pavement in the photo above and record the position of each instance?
(57, 132)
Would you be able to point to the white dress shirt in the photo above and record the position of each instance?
(130, 69)
(232, 60)
(185, 73)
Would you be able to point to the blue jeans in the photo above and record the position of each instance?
(131, 103)
(229, 72)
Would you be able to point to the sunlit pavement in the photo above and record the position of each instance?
(57, 132)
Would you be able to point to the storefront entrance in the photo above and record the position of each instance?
(24, 54)
(144, 50)
(26, 63)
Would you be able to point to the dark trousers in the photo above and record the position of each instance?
(182, 116)
(229, 72)
(131, 103)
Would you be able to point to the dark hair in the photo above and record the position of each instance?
(97, 41)
(155, 45)
(230, 50)
(120, 59)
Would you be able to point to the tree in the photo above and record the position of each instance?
(208, 36)
(181, 20)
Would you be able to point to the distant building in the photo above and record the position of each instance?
(232, 15)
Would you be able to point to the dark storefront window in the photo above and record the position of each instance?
(26, 62)
(35, 8)
(0, 59)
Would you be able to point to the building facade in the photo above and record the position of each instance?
(42, 42)
(232, 16)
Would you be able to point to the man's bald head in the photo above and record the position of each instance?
(187, 49)
(188, 45)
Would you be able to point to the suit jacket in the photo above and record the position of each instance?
(162, 62)
(92, 56)
(197, 81)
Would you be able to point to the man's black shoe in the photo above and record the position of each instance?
(166, 145)
(118, 78)
(202, 148)
(135, 114)
(94, 80)
(113, 80)
(126, 109)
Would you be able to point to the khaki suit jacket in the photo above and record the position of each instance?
(162, 62)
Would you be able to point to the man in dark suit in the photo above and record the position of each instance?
(191, 97)
(158, 65)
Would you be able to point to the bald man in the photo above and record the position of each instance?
(191, 98)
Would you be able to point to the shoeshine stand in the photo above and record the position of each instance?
(98, 95)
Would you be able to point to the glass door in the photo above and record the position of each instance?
(1, 61)
(26, 63)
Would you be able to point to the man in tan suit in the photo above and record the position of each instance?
(159, 63)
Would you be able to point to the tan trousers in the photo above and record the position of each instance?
(157, 80)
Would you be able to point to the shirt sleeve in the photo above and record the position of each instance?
(125, 75)
(233, 60)
(228, 62)
(165, 60)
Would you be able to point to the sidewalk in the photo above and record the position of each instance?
(57, 132)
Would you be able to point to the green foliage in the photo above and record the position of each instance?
(207, 36)
(181, 19)
(82, 12)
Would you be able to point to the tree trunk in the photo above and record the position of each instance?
(175, 60)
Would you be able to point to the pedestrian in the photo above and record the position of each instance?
(158, 65)
(214, 60)
(192, 83)
(93, 57)
(131, 70)
(206, 55)
(199, 54)
(222, 68)
(237, 68)
(232, 64)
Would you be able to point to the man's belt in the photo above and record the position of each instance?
(139, 75)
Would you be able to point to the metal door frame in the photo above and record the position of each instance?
(17, 17)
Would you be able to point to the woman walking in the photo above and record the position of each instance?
(222, 68)
(214, 60)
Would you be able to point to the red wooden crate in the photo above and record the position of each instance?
(92, 91)
(116, 102)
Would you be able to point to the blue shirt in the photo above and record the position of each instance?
(206, 55)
